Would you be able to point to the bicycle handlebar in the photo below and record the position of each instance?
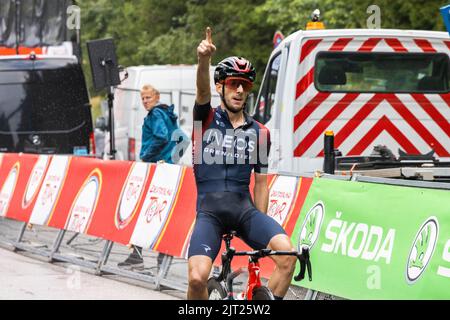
(303, 258)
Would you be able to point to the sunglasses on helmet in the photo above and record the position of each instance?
(234, 83)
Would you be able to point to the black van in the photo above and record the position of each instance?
(44, 106)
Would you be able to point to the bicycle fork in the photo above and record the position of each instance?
(254, 278)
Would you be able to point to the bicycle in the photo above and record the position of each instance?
(220, 287)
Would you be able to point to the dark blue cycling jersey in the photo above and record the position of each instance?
(222, 168)
(227, 155)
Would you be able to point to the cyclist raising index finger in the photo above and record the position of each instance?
(228, 146)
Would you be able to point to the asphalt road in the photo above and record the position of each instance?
(26, 278)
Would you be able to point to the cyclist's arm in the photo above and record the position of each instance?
(261, 192)
(204, 52)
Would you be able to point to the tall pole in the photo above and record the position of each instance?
(328, 164)
(17, 3)
(112, 147)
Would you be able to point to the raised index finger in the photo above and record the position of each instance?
(208, 35)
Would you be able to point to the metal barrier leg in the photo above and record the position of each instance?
(56, 244)
(311, 295)
(73, 238)
(163, 270)
(20, 236)
(103, 257)
(107, 253)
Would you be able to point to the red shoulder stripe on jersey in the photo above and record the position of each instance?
(264, 133)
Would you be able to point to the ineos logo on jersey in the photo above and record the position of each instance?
(422, 249)
(241, 141)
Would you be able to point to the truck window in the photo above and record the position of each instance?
(370, 72)
(265, 101)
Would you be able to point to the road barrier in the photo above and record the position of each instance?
(367, 240)
(375, 241)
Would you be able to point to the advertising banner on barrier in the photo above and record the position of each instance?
(375, 241)
(176, 233)
(158, 205)
(7, 191)
(35, 181)
(50, 190)
(23, 192)
(122, 185)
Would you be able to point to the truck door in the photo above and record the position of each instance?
(268, 106)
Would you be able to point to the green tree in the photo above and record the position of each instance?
(168, 32)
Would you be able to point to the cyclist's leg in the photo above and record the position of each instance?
(285, 265)
(260, 231)
(203, 249)
(199, 270)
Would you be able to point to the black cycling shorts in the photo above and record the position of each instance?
(219, 213)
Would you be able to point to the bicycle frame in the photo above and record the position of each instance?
(253, 267)
(254, 279)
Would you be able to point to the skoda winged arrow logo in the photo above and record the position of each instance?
(422, 249)
(309, 233)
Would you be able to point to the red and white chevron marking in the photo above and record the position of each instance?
(415, 123)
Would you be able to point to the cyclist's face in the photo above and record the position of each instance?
(236, 92)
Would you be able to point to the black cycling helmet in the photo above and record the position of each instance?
(234, 67)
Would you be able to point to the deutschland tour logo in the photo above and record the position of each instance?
(422, 250)
(309, 233)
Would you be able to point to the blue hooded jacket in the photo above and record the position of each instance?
(159, 124)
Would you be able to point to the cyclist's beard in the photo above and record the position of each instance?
(230, 108)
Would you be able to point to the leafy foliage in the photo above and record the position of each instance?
(168, 32)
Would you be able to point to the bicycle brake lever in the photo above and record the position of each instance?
(301, 274)
(308, 264)
(305, 265)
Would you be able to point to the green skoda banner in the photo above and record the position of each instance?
(375, 241)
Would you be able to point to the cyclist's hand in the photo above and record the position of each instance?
(206, 48)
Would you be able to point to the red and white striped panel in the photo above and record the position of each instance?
(415, 123)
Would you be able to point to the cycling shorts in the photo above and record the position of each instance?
(219, 213)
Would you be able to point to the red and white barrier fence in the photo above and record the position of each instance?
(149, 205)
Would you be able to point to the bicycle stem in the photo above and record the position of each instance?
(254, 256)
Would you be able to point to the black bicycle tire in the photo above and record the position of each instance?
(262, 293)
(213, 284)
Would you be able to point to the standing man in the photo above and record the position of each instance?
(228, 145)
(157, 145)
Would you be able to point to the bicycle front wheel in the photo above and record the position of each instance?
(262, 293)
(216, 290)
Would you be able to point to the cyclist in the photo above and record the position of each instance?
(228, 145)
